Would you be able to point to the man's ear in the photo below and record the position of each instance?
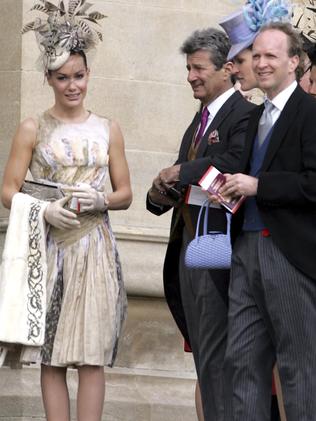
(294, 63)
(228, 69)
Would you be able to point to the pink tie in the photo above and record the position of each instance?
(204, 118)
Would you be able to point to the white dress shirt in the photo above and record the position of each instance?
(280, 100)
(216, 105)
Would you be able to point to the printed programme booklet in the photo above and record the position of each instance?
(212, 181)
(195, 196)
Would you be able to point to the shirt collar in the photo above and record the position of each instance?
(218, 102)
(281, 99)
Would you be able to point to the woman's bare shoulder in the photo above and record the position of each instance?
(27, 132)
(30, 124)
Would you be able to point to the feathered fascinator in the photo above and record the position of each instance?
(243, 26)
(304, 19)
(259, 13)
(63, 26)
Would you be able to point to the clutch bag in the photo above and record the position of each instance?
(211, 250)
(42, 190)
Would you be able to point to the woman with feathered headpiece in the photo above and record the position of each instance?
(74, 150)
(243, 26)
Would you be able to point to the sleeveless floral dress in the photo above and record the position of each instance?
(86, 299)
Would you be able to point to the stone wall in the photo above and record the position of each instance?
(10, 83)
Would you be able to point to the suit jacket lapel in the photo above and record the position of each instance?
(188, 137)
(222, 113)
(287, 117)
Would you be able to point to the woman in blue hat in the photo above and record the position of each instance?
(243, 26)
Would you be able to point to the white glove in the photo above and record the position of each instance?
(59, 217)
(90, 199)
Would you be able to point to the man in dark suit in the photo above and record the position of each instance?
(198, 298)
(272, 295)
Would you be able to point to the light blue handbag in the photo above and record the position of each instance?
(213, 249)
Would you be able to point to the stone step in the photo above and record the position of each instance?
(131, 395)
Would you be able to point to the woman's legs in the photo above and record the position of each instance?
(55, 393)
(91, 392)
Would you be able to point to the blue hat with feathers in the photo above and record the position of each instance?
(243, 26)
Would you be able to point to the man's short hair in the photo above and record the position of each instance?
(294, 42)
(212, 40)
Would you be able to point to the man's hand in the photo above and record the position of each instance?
(160, 197)
(159, 185)
(162, 183)
(239, 185)
(212, 198)
(169, 176)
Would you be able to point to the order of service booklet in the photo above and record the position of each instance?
(212, 181)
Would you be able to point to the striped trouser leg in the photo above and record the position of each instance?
(249, 355)
(272, 314)
(290, 300)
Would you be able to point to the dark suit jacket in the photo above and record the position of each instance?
(230, 122)
(286, 195)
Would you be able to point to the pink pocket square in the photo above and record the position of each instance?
(213, 137)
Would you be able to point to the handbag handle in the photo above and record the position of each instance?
(205, 205)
